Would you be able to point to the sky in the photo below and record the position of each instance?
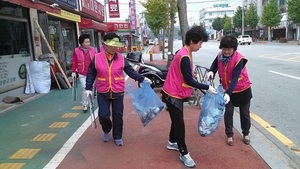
(193, 8)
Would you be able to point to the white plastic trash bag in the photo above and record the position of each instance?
(40, 75)
(29, 85)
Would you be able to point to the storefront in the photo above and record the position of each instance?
(15, 46)
(60, 31)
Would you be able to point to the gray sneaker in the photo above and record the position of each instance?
(172, 146)
(187, 160)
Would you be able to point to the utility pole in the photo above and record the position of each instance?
(243, 18)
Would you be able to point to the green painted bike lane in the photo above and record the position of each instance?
(32, 134)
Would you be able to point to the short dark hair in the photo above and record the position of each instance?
(110, 36)
(229, 41)
(195, 34)
(83, 37)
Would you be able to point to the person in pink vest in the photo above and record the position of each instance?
(231, 66)
(81, 60)
(107, 69)
(178, 87)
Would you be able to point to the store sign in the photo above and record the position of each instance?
(67, 15)
(93, 8)
(113, 9)
(69, 3)
(121, 26)
(132, 15)
(12, 72)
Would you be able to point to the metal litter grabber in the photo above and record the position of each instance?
(91, 105)
(74, 86)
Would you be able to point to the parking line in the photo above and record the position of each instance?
(282, 74)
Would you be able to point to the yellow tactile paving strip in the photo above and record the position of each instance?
(11, 165)
(44, 137)
(59, 125)
(70, 115)
(25, 154)
(77, 108)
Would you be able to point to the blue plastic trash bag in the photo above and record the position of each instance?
(211, 113)
(145, 101)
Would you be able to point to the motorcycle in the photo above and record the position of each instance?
(156, 73)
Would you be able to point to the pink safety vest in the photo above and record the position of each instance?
(81, 66)
(109, 77)
(226, 72)
(175, 85)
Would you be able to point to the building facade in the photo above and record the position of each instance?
(61, 22)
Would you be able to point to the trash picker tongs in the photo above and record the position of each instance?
(74, 88)
(91, 103)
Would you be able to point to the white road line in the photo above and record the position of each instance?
(282, 74)
(67, 147)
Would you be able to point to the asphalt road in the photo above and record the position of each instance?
(274, 70)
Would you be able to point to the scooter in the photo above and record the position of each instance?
(156, 73)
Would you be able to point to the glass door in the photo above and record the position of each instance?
(56, 42)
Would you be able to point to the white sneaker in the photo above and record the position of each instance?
(172, 146)
(187, 160)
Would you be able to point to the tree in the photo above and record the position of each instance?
(183, 20)
(237, 18)
(156, 15)
(271, 16)
(227, 24)
(251, 17)
(218, 24)
(172, 11)
(294, 14)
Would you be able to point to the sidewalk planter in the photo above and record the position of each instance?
(282, 40)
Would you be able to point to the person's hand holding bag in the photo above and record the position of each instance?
(211, 90)
(226, 98)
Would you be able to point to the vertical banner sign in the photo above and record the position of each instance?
(113, 9)
(132, 15)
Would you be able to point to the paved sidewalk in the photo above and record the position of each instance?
(145, 147)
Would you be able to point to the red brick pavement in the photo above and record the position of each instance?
(145, 147)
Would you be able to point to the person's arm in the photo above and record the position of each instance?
(214, 66)
(74, 61)
(235, 76)
(91, 76)
(128, 69)
(185, 68)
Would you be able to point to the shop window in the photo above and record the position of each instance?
(14, 38)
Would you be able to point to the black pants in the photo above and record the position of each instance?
(117, 115)
(177, 132)
(244, 118)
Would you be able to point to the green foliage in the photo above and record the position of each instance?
(218, 24)
(227, 23)
(271, 15)
(237, 18)
(157, 14)
(251, 17)
(293, 11)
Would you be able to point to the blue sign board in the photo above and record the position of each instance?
(69, 3)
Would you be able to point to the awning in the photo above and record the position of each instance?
(91, 24)
(36, 5)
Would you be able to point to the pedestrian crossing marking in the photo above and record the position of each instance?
(24, 154)
(44, 137)
(70, 115)
(77, 108)
(11, 165)
(59, 125)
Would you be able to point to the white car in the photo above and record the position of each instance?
(151, 42)
(243, 39)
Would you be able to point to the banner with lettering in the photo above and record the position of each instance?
(113, 9)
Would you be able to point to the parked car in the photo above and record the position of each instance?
(243, 39)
